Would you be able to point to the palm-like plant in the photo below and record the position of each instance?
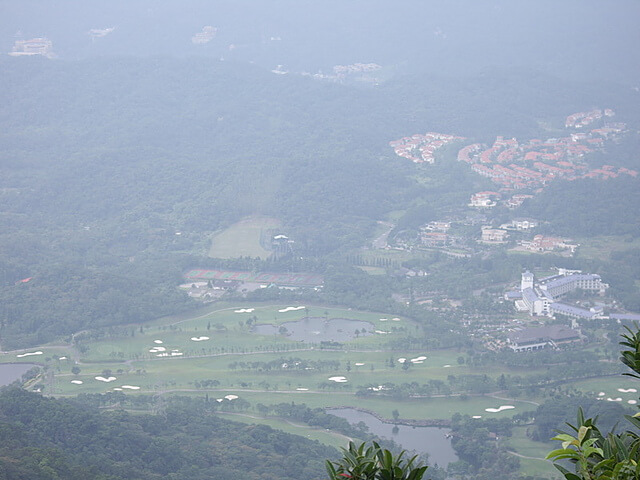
(374, 463)
(598, 456)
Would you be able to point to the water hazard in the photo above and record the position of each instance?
(319, 329)
(10, 372)
(431, 440)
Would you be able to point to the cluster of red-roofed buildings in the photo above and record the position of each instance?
(532, 165)
(421, 148)
(582, 119)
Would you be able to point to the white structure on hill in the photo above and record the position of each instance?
(541, 297)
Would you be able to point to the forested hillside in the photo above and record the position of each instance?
(43, 438)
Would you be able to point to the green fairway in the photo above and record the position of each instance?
(243, 239)
(323, 436)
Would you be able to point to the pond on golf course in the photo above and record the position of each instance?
(431, 440)
(319, 329)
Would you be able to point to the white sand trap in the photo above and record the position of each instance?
(107, 380)
(291, 309)
(395, 319)
(157, 349)
(131, 387)
(162, 354)
(159, 342)
(420, 359)
(219, 400)
(632, 402)
(338, 379)
(499, 409)
(417, 362)
(446, 366)
(601, 394)
(359, 364)
(627, 390)
(28, 354)
(244, 310)
(62, 358)
(77, 382)
(402, 360)
(384, 319)
(315, 332)
(381, 332)
(176, 354)
(231, 397)
(477, 416)
(302, 389)
(609, 399)
(117, 389)
(199, 339)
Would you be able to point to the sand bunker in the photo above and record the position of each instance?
(632, 402)
(159, 342)
(77, 382)
(131, 387)
(219, 400)
(384, 319)
(379, 388)
(157, 349)
(395, 319)
(162, 354)
(244, 310)
(102, 379)
(477, 416)
(62, 358)
(609, 399)
(359, 364)
(231, 397)
(601, 394)
(302, 389)
(402, 360)
(199, 339)
(419, 359)
(176, 354)
(117, 389)
(338, 379)
(499, 409)
(446, 366)
(627, 390)
(28, 354)
(381, 332)
(291, 309)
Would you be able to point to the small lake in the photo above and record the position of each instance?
(10, 372)
(318, 329)
(429, 440)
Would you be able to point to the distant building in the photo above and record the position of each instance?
(484, 199)
(537, 338)
(540, 297)
(494, 235)
(521, 224)
(541, 243)
(35, 46)
(434, 239)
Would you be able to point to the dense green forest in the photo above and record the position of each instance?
(43, 438)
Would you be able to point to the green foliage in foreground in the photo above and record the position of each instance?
(596, 455)
(374, 463)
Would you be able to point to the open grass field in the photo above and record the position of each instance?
(243, 238)
(532, 454)
(323, 436)
(601, 247)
